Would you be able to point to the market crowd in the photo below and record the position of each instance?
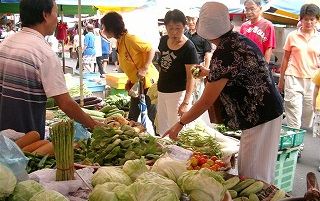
(233, 70)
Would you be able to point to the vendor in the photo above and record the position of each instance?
(30, 72)
(240, 78)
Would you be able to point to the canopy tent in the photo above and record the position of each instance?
(12, 6)
(286, 11)
(87, 6)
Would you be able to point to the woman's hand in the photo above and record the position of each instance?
(204, 72)
(142, 72)
(128, 85)
(183, 108)
(173, 131)
(281, 84)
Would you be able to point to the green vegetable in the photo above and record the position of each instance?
(231, 182)
(25, 190)
(110, 174)
(170, 168)
(200, 187)
(150, 186)
(48, 195)
(134, 168)
(253, 188)
(62, 134)
(8, 181)
(103, 192)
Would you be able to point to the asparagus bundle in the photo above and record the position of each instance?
(62, 138)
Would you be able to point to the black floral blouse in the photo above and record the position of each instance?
(250, 97)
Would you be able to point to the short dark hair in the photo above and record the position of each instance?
(257, 2)
(175, 16)
(113, 22)
(31, 11)
(309, 10)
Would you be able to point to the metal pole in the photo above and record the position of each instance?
(80, 53)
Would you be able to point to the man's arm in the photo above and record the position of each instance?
(73, 110)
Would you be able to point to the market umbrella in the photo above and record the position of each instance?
(143, 117)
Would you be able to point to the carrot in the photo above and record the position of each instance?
(32, 147)
(28, 138)
(44, 150)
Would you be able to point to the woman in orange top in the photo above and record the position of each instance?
(299, 63)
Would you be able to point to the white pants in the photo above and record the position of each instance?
(298, 95)
(258, 150)
(167, 110)
(316, 124)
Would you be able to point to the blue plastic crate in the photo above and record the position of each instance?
(94, 86)
(91, 76)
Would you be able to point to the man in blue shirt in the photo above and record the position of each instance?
(106, 49)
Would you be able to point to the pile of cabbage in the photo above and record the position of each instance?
(166, 180)
(28, 190)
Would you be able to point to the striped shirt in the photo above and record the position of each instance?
(29, 73)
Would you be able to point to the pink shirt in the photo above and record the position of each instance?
(305, 54)
(261, 32)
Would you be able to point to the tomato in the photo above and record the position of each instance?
(190, 167)
(202, 161)
(197, 168)
(193, 161)
(214, 158)
(206, 165)
(220, 163)
(210, 162)
(215, 167)
(205, 156)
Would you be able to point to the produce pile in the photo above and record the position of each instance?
(120, 140)
(198, 140)
(29, 190)
(168, 179)
(198, 161)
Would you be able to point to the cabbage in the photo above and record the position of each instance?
(25, 190)
(7, 181)
(134, 168)
(103, 192)
(48, 195)
(169, 167)
(110, 174)
(147, 191)
(201, 186)
(152, 177)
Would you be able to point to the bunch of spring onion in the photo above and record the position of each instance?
(62, 134)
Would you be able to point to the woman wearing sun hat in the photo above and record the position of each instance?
(240, 78)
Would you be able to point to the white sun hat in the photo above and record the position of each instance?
(214, 20)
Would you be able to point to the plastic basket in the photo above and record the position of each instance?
(91, 75)
(285, 169)
(94, 86)
(290, 137)
(116, 80)
(114, 91)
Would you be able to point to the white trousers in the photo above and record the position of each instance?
(298, 95)
(167, 110)
(258, 151)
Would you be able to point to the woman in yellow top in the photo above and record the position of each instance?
(135, 59)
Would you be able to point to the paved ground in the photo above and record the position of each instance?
(308, 162)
